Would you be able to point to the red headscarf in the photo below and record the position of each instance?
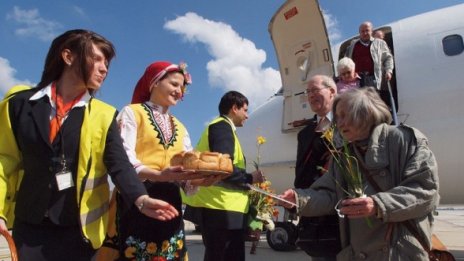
(154, 73)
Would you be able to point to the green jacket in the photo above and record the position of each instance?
(401, 163)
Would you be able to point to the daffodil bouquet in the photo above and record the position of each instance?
(347, 164)
(261, 206)
(264, 207)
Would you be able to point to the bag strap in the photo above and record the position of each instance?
(365, 171)
(406, 223)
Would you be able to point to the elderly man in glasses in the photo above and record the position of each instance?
(312, 154)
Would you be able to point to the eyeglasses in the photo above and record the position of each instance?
(313, 90)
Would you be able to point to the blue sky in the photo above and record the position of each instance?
(226, 44)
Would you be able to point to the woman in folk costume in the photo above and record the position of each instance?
(151, 137)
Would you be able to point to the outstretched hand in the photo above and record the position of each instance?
(158, 209)
(166, 175)
(170, 173)
(288, 195)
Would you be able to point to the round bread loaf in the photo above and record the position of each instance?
(177, 159)
(194, 160)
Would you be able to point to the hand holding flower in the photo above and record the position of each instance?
(258, 176)
(358, 207)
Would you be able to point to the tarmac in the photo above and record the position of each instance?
(449, 227)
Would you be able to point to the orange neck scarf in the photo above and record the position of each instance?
(62, 111)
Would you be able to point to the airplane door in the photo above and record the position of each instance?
(302, 46)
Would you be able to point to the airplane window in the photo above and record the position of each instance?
(302, 63)
(453, 44)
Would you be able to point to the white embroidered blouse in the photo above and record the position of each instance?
(128, 128)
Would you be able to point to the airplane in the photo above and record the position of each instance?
(427, 88)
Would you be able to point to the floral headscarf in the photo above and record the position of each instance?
(155, 72)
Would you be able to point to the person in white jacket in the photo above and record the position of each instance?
(372, 57)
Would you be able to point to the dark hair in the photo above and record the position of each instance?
(80, 43)
(230, 99)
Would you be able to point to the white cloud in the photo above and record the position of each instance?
(7, 79)
(331, 24)
(236, 62)
(32, 25)
(79, 10)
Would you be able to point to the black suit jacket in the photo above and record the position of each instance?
(312, 153)
(221, 139)
(38, 194)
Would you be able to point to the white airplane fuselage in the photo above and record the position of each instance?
(429, 83)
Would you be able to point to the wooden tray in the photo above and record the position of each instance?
(209, 172)
(11, 245)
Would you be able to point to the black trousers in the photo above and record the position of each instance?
(49, 242)
(223, 244)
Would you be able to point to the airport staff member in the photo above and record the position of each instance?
(372, 57)
(312, 154)
(66, 143)
(220, 210)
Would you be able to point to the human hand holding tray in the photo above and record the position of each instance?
(198, 173)
(188, 174)
(272, 195)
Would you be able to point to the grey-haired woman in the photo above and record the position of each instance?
(400, 180)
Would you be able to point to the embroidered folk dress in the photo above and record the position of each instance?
(151, 137)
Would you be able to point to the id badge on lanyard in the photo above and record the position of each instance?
(64, 177)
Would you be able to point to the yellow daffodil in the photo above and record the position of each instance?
(328, 134)
(261, 140)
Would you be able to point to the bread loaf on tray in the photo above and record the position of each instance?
(195, 160)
